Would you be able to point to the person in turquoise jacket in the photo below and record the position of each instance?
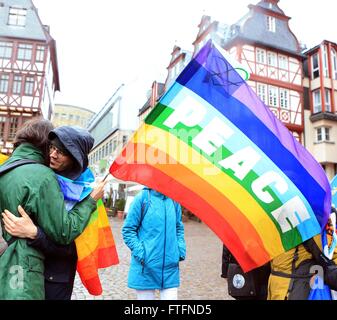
(154, 232)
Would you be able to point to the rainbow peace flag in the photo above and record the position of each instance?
(95, 249)
(213, 146)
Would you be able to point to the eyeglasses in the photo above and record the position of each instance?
(52, 148)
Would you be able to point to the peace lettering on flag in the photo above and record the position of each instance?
(213, 146)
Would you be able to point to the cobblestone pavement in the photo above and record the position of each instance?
(200, 272)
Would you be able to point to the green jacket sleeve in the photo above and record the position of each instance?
(50, 214)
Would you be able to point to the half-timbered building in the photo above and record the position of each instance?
(28, 68)
(264, 44)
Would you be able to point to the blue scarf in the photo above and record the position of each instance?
(76, 190)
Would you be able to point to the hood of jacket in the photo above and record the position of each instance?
(155, 193)
(78, 143)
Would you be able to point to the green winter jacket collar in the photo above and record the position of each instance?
(26, 151)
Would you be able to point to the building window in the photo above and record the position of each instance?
(283, 62)
(25, 52)
(125, 139)
(323, 134)
(29, 86)
(39, 54)
(4, 79)
(273, 96)
(6, 49)
(284, 98)
(296, 135)
(271, 24)
(260, 56)
(17, 84)
(17, 16)
(262, 92)
(315, 66)
(13, 126)
(334, 63)
(327, 100)
(272, 60)
(2, 126)
(317, 101)
(325, 62)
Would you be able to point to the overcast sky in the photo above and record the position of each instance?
(104, 43)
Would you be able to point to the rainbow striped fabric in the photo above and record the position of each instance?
(3, 158)
(95, 249)
(213, 146)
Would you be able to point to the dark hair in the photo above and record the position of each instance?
(35, 132)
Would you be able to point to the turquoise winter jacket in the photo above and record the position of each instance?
(157, 245)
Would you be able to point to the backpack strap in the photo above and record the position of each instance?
(7, 167)
(293, 268)
(292, 275)
(311, 246)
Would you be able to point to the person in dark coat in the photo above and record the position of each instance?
(252, 285)
(69, 149)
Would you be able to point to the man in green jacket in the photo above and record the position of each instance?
(35, 187)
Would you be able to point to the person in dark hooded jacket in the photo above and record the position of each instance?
(69, 149)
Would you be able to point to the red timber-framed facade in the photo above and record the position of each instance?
(154, 94)
(276, 77)
(28, 69)
(299, 87)
(264, 44)
(179, 59)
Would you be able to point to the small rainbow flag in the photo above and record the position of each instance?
(3, 158)
(214, 147)
(95, 249)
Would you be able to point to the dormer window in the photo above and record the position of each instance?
(17, 16)
(271, 24)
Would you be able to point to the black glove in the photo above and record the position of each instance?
(330, 276)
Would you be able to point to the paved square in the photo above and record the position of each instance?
(200, 272)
